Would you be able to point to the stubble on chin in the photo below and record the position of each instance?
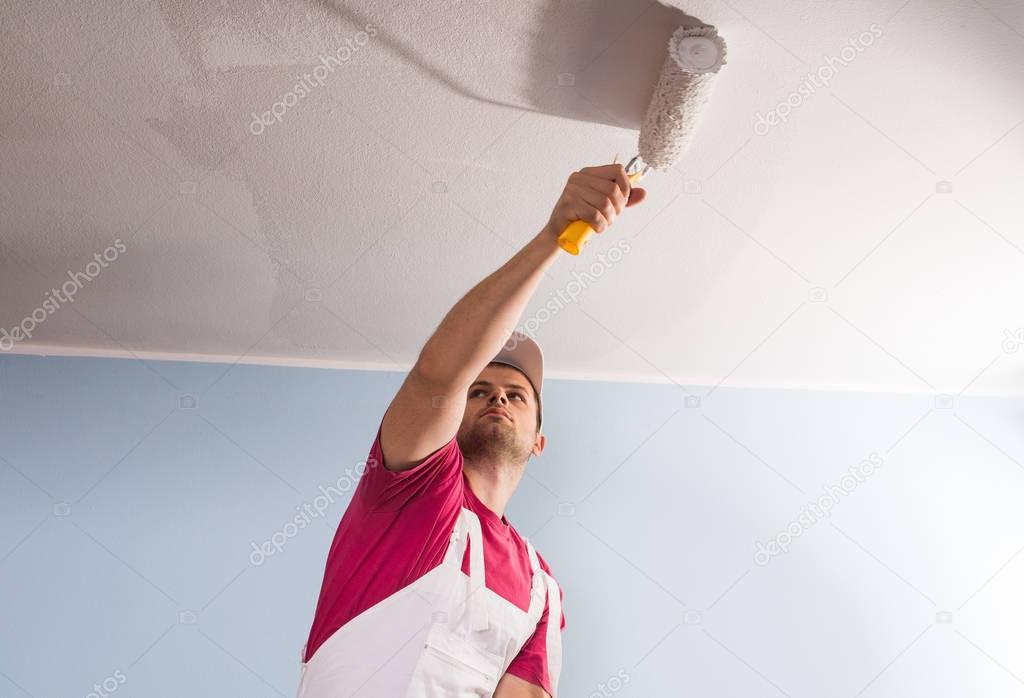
(483, 443)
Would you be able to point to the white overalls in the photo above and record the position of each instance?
(446, 635)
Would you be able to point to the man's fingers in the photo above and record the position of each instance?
(596, 200)
(636, 195)
(623, 181)
(596, 195)
(595, 218)
(581, 209)
(615, 172)
(590, 214)
(605, 188)
(613, 191)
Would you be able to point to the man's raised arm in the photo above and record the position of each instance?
(429, 407)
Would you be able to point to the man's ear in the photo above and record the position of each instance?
(538, 445)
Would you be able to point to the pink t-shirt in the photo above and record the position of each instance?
(397, 528)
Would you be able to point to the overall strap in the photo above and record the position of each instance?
(476, 600)
(534, 561)
(554, 634)
(457, 543)
(537, 584)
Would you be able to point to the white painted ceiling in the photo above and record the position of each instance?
(872, 241)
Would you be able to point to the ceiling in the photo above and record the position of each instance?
(874, 240)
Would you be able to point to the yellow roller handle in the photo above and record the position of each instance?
(577, 233)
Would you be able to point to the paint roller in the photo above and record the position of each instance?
(694, 56)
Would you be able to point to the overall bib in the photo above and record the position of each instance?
(446, 635)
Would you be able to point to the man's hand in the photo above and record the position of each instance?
(596, 195)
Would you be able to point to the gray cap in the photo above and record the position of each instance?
(521, 352)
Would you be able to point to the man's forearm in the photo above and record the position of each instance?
(476, 327)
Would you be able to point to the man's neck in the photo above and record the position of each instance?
(493, 485)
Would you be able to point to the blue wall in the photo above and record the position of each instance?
(129, 520)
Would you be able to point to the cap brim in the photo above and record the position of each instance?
(520, 351)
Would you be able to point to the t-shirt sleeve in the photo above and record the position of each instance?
(380, 489)
(395, 528)
(533, 663)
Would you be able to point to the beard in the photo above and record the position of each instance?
(492, 441)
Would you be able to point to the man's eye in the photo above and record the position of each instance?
(478, 391)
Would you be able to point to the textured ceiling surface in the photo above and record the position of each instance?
(316, 181)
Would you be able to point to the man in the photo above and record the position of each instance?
(429, 591)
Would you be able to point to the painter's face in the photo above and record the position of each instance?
(501, 416)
